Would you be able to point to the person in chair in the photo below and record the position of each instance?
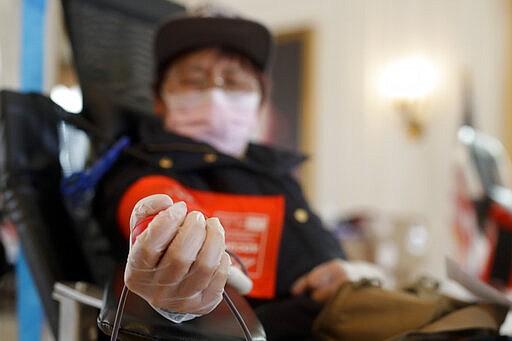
(212, 191)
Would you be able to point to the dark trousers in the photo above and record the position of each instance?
(289, 319)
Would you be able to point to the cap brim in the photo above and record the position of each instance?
(179, 35)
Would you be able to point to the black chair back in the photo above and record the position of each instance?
(111, 41)
(30, 174)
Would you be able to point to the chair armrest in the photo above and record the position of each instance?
(79, 304)
(140, 321)
(82, 292)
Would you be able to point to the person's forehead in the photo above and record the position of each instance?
(206, 58)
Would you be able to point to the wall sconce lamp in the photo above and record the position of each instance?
(409, 83)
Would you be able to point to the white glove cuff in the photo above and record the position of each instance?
(175, 317)
(357, 270)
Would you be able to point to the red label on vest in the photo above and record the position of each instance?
(253, 224)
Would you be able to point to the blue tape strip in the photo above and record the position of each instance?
(30, 312)
(32, 44)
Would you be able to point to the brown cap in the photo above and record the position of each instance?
(212, 27)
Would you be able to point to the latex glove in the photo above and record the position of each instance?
(357, 270)
(179, 262)
(323, 281)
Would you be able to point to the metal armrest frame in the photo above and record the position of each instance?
(79, 305)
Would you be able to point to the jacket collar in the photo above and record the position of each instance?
(188, 154)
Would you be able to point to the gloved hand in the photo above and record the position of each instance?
(179, 262)
(323, 280)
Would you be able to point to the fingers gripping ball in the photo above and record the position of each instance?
(165, 264)
(236, 278)
(142, 188)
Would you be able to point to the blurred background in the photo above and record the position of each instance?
(375, 93)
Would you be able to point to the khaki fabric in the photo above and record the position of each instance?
(365, 311)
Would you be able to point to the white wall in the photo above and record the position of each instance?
(9, 43)
(362, 156)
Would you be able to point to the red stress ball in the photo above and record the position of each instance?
(141, 227)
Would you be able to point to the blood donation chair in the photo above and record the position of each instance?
(67, 254)
(29, 179)
(111, 43)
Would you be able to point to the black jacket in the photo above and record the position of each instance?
(264, 171)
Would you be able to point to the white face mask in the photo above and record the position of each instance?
(223, 119)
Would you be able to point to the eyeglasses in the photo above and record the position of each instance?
(201, 79)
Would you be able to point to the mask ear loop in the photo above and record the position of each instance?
(119, 313)
(239, 318)
(230, 303)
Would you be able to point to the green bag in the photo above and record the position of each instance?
(365, 311)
